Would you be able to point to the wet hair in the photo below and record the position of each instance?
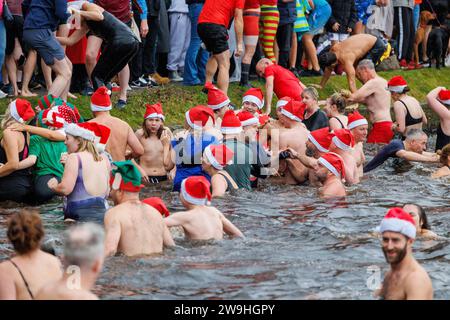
(327, 59)
(25, 231)
(83, 245)
(312, 92)
(366, 64)
(339, 101)
(414, 134)
(147, 132)
(88, 146)
(423, 220)
(445, 154)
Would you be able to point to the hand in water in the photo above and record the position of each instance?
(52, 183)
(17, 127)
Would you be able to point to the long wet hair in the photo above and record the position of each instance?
(88, 146)
(423, 220)
(147, 132)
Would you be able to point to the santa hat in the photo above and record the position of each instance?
(199, 115)
(102, 134)
(283, 101)
(125, 176)
(58, 117)
(21, 110)
(196, 190)
(61, 102)
(230, 123)
(444, 96)
(397, 84)
(219, 155)
(100, 100)
(334, 163)
(45, 102)
(217, 98)
(355, 119)
(343, 139)
(321, 138)
(247, 118)
(254, 95)
(398, 220)
(158, 204)
(294, 110)
(263, 119)
(154, 111)
(82, 130)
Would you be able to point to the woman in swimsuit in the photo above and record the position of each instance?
(439, 101)
(445, 160)
(335, 109)
(22, 276)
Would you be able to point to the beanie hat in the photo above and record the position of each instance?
(355, 119)
(199, 115)
(334, 163)
(397, 84)
(100, 100)
(400, 221)
(154, 111)
(125, 176)
(219, 155)
(21, 110)
(61, 102)
(444, 96)
(45, 102)
(158, 204)
(247, 118)
(217, 98)
(196, 190)
(230, 123)
(321, 138)
(82, 130)
(102, 134)
(294, 110)
(254, 95)
(343, 139)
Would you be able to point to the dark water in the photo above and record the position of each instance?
(296, 246)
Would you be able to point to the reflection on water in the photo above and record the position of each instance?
(296, 246)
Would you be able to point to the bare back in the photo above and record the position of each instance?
(203, 223)
(95, 175)
(378, 99)
(354, 48)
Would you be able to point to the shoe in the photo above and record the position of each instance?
(9, 90)
(87, 91)
(174, 76)
(159, 79)
(246, 85)
(294, 71)
(403, 63)
(138, 84)
(121, 104)
(412, 66)
(145, 82)
(311, 73)
(151, 81)
(2, 95)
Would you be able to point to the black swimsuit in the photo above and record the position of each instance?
(342, 125)
(229, 183)
(23, 278)
(409, 120)
(442, 139)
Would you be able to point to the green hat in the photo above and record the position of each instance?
(125, 176)
(45, 102)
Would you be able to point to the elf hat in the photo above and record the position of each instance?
(125, 176)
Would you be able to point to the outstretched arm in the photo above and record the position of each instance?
(45, 133)
(413, 156)
(326, 76)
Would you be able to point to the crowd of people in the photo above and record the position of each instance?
(50, 150)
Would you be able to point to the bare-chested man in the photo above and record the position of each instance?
(156, 161)
(348, 53)
(83, 249)
(407, 279)
(132, 227)
(359, 127)
(200, 221)
(331, 172)
(122, 136)
(342, 144)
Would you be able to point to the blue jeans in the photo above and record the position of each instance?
(196, 56)
(416, 16)
(2, 43)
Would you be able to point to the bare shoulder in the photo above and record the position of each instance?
(215, 211)
(112, 213)
(418, 276)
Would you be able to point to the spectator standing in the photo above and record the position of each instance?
(405, 32)
(342, 21)
(288, 15)
(270, 18)
(252, 12)
(300, 27)
(2, 44)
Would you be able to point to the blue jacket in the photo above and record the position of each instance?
(288, 12)
(44, 14)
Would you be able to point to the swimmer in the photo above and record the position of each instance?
(343, 143)
(331, 172)
(421, 221)
(359, 127)
(444, 171)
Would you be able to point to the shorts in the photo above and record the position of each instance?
(157, 179)
(214, 36)
(381, 132)
(45, 43)
(251, 28)
(378, 50)
(318, 19)
(362, 7)
(337, 36)
(12, 32)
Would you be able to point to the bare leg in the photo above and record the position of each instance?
(47, 72)
(211, 68)
(359, 28)
(93, 47)
(11, 68)
(310, 49)
(223, 61)
(63, 75)
(28, 70)
(249, 52)
(124, 78)
(66, 92)
(293, 53)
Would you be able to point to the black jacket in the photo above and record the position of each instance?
(344, 13)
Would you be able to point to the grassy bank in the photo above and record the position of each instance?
(177, 99)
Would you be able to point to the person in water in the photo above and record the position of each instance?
(406, 279)
(335, 109)
(444, 171)
(83, 247)
(439, 101)
(200, 221)
(421, 221)
(313, 118)
(331, 173)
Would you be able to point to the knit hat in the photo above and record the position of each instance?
(254, 95)
(283, 101)
(294, 110)
(355, 119)
(21, 110)
(196, 190)
(100, 100)
(45, 102)
(397, 84)
(398, 220)
(217, 98)
(125, 176)
(154, 111)
(247, 118)
(230, 123)
(343, 139)
(61, 102)
(58, 117)
(102, 134)
(444, 96)
(199, 115)
(82, 130)
(158, 204)
(334, 163)
(219, 155)
(321, 138)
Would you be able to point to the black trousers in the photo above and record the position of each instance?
(42, 193)
(284, 40)
(404, 32)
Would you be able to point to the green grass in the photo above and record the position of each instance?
(177, 99)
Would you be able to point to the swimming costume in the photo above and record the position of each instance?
(23, 278)
(157, 179)
(442, 139)
(342, 125)
(387, 152)
(317, 120)
(231, 185)
(381, 132)
(409, 120)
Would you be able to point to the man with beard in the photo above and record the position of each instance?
(406, 280)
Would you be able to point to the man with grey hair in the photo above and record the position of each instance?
(83, 255)
(377, 98)
(412, 149)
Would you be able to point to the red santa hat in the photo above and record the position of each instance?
(294, 110)
(355, 119)
(21, 110)
(158, 204)
(58, 117)
(230, 123)
(196, 190)
(398, 220)
(83, 130)
(397, 84)
(219, 155)
(247, 118)
(154, 111)
(321, 138)
(444, 96)
(334, 163)
(283, 101)
(217, 98)
(254, 95)
(198, 116)
(263, 119)
(343, 139)
(102, 134)
(100, 100)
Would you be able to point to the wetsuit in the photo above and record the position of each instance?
(317, 120)
(442, 139)
(389, 151)
(17, 185)
(120, 46)
(80, 205)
